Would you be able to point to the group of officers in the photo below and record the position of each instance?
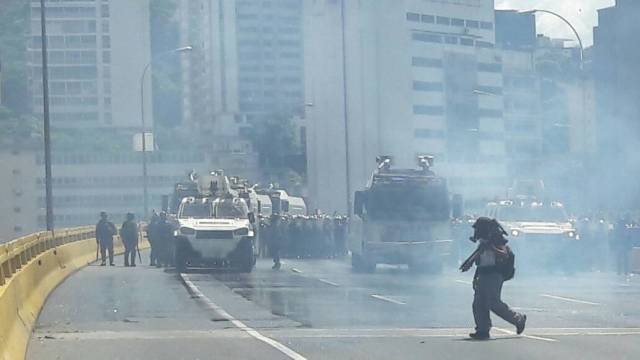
(601, 236)
(159, 234)
(301, 236)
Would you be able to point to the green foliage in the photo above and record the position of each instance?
(14, 26)
(274, 140)
(18, 130)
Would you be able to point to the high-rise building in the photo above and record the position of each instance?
(247, 61)
(617, 83)
(97, 51)
(422, 77)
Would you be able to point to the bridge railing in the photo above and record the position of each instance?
(17, 253)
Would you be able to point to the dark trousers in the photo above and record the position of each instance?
(487, 298)
(130, 253)
(106, 246)
(622, 262)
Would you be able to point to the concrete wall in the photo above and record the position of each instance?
(32, 267)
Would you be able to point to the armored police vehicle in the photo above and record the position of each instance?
(540, 231)
(215, 228)
(402, 217)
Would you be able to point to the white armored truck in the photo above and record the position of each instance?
(402, 217)
(215, 227)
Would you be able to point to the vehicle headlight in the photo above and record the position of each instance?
(241, 232)
(515, 232)
(571, 234)
(187, 231)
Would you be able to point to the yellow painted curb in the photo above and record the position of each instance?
(25, 292)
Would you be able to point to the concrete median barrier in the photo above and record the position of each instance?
(30, 268)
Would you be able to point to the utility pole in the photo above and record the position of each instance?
(47, 135)
(346, 110)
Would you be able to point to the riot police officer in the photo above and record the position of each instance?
(129, 235)
(163, 241)
(105, 230)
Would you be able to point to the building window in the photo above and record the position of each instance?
(453, 40)
(425, 37)
(428, 19)
(413, 17)
(466, 42)
(486, 25)
(492, 113)
(495, 90)
(427, 86)
(491, 68)
(104, 11)
(484, 44)
(457, 22)
(429, 134)
(428, 110)
(472, 24)
(442, 20)
(426, 62)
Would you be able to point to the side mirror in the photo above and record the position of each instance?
(358, 203)
(252, 218)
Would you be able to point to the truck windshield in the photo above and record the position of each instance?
(532, 213)
(196, 210)
(231, 209)
(396, 202)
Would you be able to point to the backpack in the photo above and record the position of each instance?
(507, 265)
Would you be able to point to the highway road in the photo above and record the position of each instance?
(319, 309)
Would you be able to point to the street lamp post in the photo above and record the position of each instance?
(145, 183)
(46, 125)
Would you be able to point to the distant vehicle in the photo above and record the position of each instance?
(402, 217)
(215, 228)
(535, 228)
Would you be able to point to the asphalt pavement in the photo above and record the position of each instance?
(319, 309)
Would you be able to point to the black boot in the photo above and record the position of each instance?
(480, 336)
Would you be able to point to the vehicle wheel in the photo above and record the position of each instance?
(246, 260)
(361, 265)
(180, 258)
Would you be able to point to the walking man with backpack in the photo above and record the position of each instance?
(494, 262)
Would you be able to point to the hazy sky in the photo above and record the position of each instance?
(581, 13)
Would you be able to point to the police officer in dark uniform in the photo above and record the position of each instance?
(622, 243)
(275, 241)
(105, 230)
(494, 265)
(152, 236)
(129, 235)
(164, 240)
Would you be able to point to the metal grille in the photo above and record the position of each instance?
(214, 234)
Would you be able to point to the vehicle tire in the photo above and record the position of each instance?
(245, 259)
(360, 265)
(180, 258)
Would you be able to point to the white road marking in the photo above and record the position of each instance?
(464, 282)
(335, 333)
(239, 324)
(508, 332)
(527, 309)
(569, 299)
(296, 270)
(329, 282)
(387, 299)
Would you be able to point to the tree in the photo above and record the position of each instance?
(18, 130)
(273, 138)
(14, 24)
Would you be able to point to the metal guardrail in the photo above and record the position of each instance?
(17, 253)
